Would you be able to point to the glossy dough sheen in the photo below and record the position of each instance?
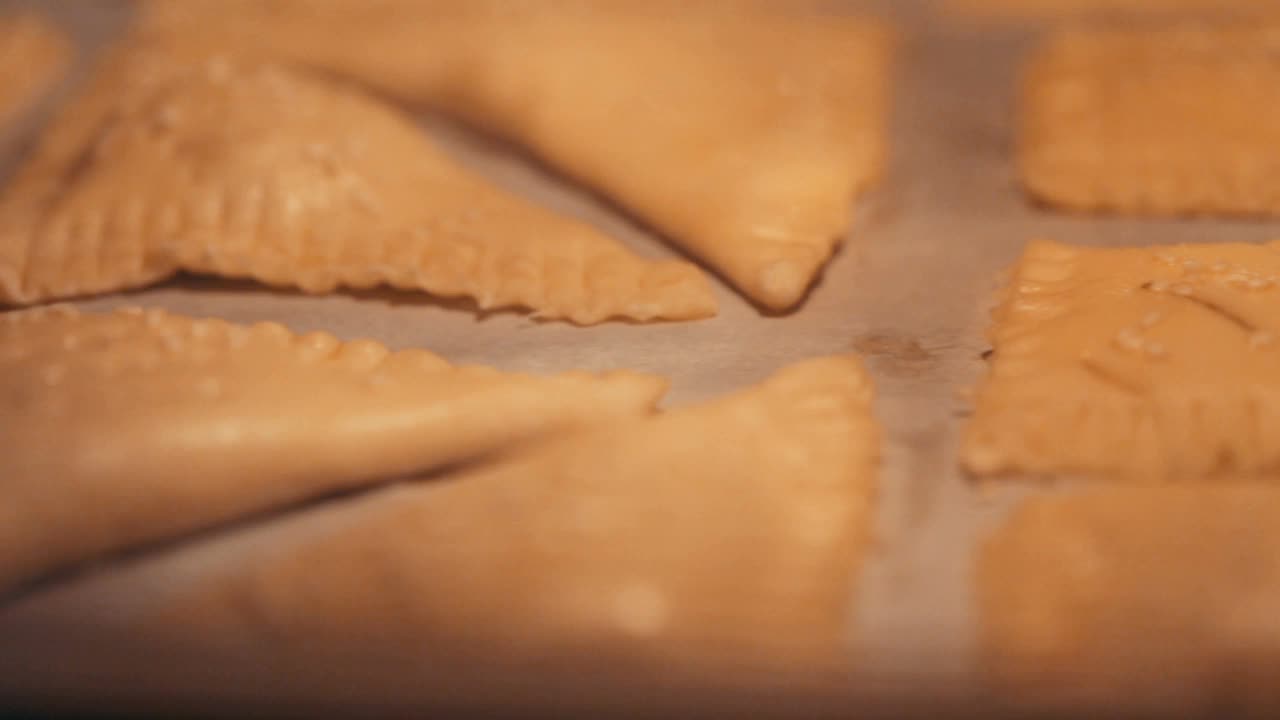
(244, 169)
(1163, 122)
(121, 429)
(1143, 363)
(1118, 590)
(34, 54)
(719, 535)
(742, 131)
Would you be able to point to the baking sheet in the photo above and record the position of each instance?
(910, 291)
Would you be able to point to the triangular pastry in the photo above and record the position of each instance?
(124, 428)
(725, 535)
(742, 131)
(246, 169)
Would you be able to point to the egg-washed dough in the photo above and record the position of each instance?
(242, 168)
(34, 54)
(724, 535)
(1028, 9)
(742, 131)
(1158, 363)
(1174, 121)
(124, 428)
(1137, 591)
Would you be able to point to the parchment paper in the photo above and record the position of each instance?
(910, 291)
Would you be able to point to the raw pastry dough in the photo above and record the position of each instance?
(1134, 590)
(120, 429)
(720, 536)
(1159, 121)
(741, 130)
(245, 169)
(1146, 363)
(34, 54)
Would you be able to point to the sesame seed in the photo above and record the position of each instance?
(1182, 290)
(1261, 339)
(1259, 284)
(1152, 319)
(1129, 339)
(1155, 350)
(1159, 286)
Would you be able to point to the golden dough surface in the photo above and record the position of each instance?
(722, 535)
(1159, 363)
(242, 168)
(1110, 8)
(1119, 590)
(1171, 121)
(742, 131)
(34, 54)
(125, 428)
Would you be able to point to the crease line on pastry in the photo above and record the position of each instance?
(1190, 293)
(1114, 376)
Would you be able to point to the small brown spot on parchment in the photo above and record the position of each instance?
(894, 353)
